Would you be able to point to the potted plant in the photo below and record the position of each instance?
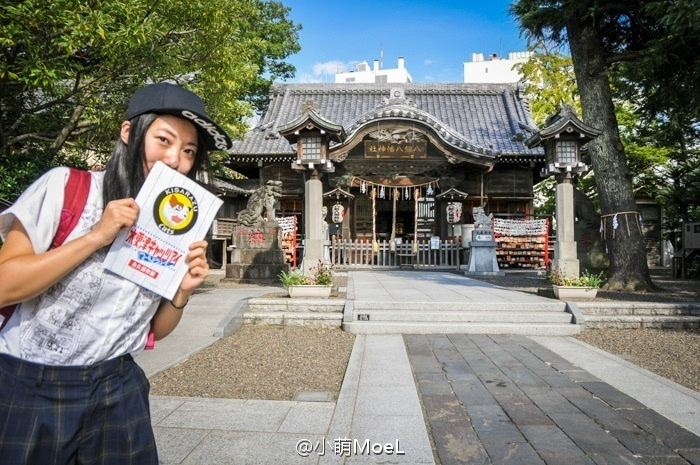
(584, 287)
(318, 284)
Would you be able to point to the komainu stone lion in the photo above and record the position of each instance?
(263, 198)
(480, 218)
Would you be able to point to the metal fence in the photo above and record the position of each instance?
(354, 254)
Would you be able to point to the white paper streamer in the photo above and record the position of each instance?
(519, 227)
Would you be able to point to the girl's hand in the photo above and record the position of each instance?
(198, 268)
(118, 215)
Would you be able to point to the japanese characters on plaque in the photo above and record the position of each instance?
(175, 212)
(385, 149)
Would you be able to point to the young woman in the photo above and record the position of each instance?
(70, 392)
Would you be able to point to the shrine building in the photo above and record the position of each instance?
(401, 163)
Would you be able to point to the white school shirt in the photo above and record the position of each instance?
(91, 314)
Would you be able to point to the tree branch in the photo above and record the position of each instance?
(33, 135)
(68, 128)
(16, 124)
(625, 56)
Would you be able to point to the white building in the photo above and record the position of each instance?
(495, 70)
(376, 75)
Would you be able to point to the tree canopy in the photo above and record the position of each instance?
(68, 67)
(549, 82)
(633, 45)
(657, 121)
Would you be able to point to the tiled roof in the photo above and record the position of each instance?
(490, 117)
(235, 187)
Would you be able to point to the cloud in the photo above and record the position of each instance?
(334, 67)
(428, 62)
(306, 78)
(428, 77)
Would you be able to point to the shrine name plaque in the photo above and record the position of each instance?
(408, 150)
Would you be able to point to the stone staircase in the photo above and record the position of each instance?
(634, 315)
(528, 318)
(317, 313)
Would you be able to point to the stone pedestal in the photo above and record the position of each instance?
(258, 256)
(313, 224)
(482, 255)
(565, 255)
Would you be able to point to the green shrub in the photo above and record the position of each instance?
(559, 278)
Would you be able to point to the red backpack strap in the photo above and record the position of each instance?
(151, 341)
(74, 200)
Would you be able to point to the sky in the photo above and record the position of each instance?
(434, 37)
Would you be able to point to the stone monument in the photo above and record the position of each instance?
(482, 255)
(258, 256)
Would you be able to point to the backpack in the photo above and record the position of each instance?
(74, 200)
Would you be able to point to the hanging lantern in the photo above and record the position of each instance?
(337, 213)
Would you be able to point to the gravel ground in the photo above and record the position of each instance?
(675, 355)
(262, 362)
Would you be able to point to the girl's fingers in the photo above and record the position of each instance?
(199, 245)
(198, 263)
(199, 272)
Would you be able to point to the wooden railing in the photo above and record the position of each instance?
(349, 254)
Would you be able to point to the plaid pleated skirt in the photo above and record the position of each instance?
(97, 414)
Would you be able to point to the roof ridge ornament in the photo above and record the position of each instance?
(397, 96)
(309, 105)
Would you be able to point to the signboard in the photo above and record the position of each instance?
(175, 212)
(407, 150)
(435, 243)
(482, 235)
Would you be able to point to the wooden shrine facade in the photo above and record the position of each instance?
(409, 162)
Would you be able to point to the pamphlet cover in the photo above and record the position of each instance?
(175, 212)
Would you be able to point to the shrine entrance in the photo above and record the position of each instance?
(396, 219)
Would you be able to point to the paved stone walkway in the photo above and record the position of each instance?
(509, 400)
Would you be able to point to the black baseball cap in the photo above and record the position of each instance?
(172, 99)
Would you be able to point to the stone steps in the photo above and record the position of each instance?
(295, 305)
(641, 321)
(393, 327)
(530, 318)
(639, 308)
(635, 315)
(478, 316)
(315, 319)
(317, 313)
(461, 306)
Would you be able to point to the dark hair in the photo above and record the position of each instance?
(124, 174)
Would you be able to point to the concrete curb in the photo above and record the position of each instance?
(577, 316)
(341, 422)
(233, 320)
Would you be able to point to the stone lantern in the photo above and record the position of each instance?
(312, 133)
(562, 139)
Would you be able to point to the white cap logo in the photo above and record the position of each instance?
(219, 139)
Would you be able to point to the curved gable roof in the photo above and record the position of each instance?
(476, 117)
